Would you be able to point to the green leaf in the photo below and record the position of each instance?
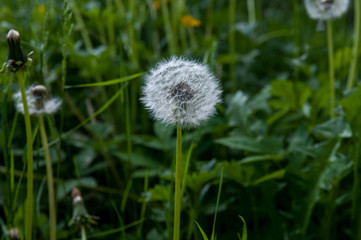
(271, 146)
(204, 235)
(241, 174)
(336, 127)
(352, 108)
(158, 193)
(259, 158)
(289, 95)
(138, 160)
(275, 175)
(195, 181)
(244, 231)
(65, 187)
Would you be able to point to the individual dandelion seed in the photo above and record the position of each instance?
(326, 9)
(181, 92)
(39, 102)
(81, 217)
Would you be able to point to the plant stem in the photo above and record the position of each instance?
(49, 175)
(251, 11)
(178, 179)
(231, 41)
(168, 28)
(83, 233)
(29, 142)
(331, 68)
(356, 46)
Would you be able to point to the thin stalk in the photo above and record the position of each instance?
(128, 124)
(144, 205)
(50, 180)
(231, 42)
(168, 28)
(331, 68)
(83, 30)
(356, 46)
(251, 11)
(209, 19)
(83, 233)
(30, 186)
(178, 179)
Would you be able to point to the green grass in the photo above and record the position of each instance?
(286, 136)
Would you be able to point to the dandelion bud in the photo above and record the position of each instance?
(182, 92)
(16, 58)
(326, 9)
(14, 233)
(80, 216)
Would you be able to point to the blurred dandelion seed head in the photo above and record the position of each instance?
(326, 9)
(181, 91)
(14, 233)
(38, 101)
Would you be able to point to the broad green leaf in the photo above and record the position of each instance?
(195, 181)
(289, 95)
(268, 146)
(336, 127)
(158, 193)
(154, 142)
(352, 108)
(137, 160)
(242, 174)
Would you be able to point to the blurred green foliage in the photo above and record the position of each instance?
(290, 171)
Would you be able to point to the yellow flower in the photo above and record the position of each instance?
(41, 9)
(157, 4)
(190, 21)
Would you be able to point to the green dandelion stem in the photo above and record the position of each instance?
(83, 233)
(30, 186)
(50, 180)
(178, 179)
(331, 68)
(356, 46)
(251, 5)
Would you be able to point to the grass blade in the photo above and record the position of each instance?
(106, 83)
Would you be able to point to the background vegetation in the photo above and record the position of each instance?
(290, 170)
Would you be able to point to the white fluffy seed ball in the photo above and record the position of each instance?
(38, 101)
(326, 9)
(181, 92)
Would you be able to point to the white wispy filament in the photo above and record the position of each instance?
(181, 91)
(38, 101)
(326, 9)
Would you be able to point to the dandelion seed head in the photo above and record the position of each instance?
(39, 102)
(181, 91)
(14, 233)
(326, 9)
